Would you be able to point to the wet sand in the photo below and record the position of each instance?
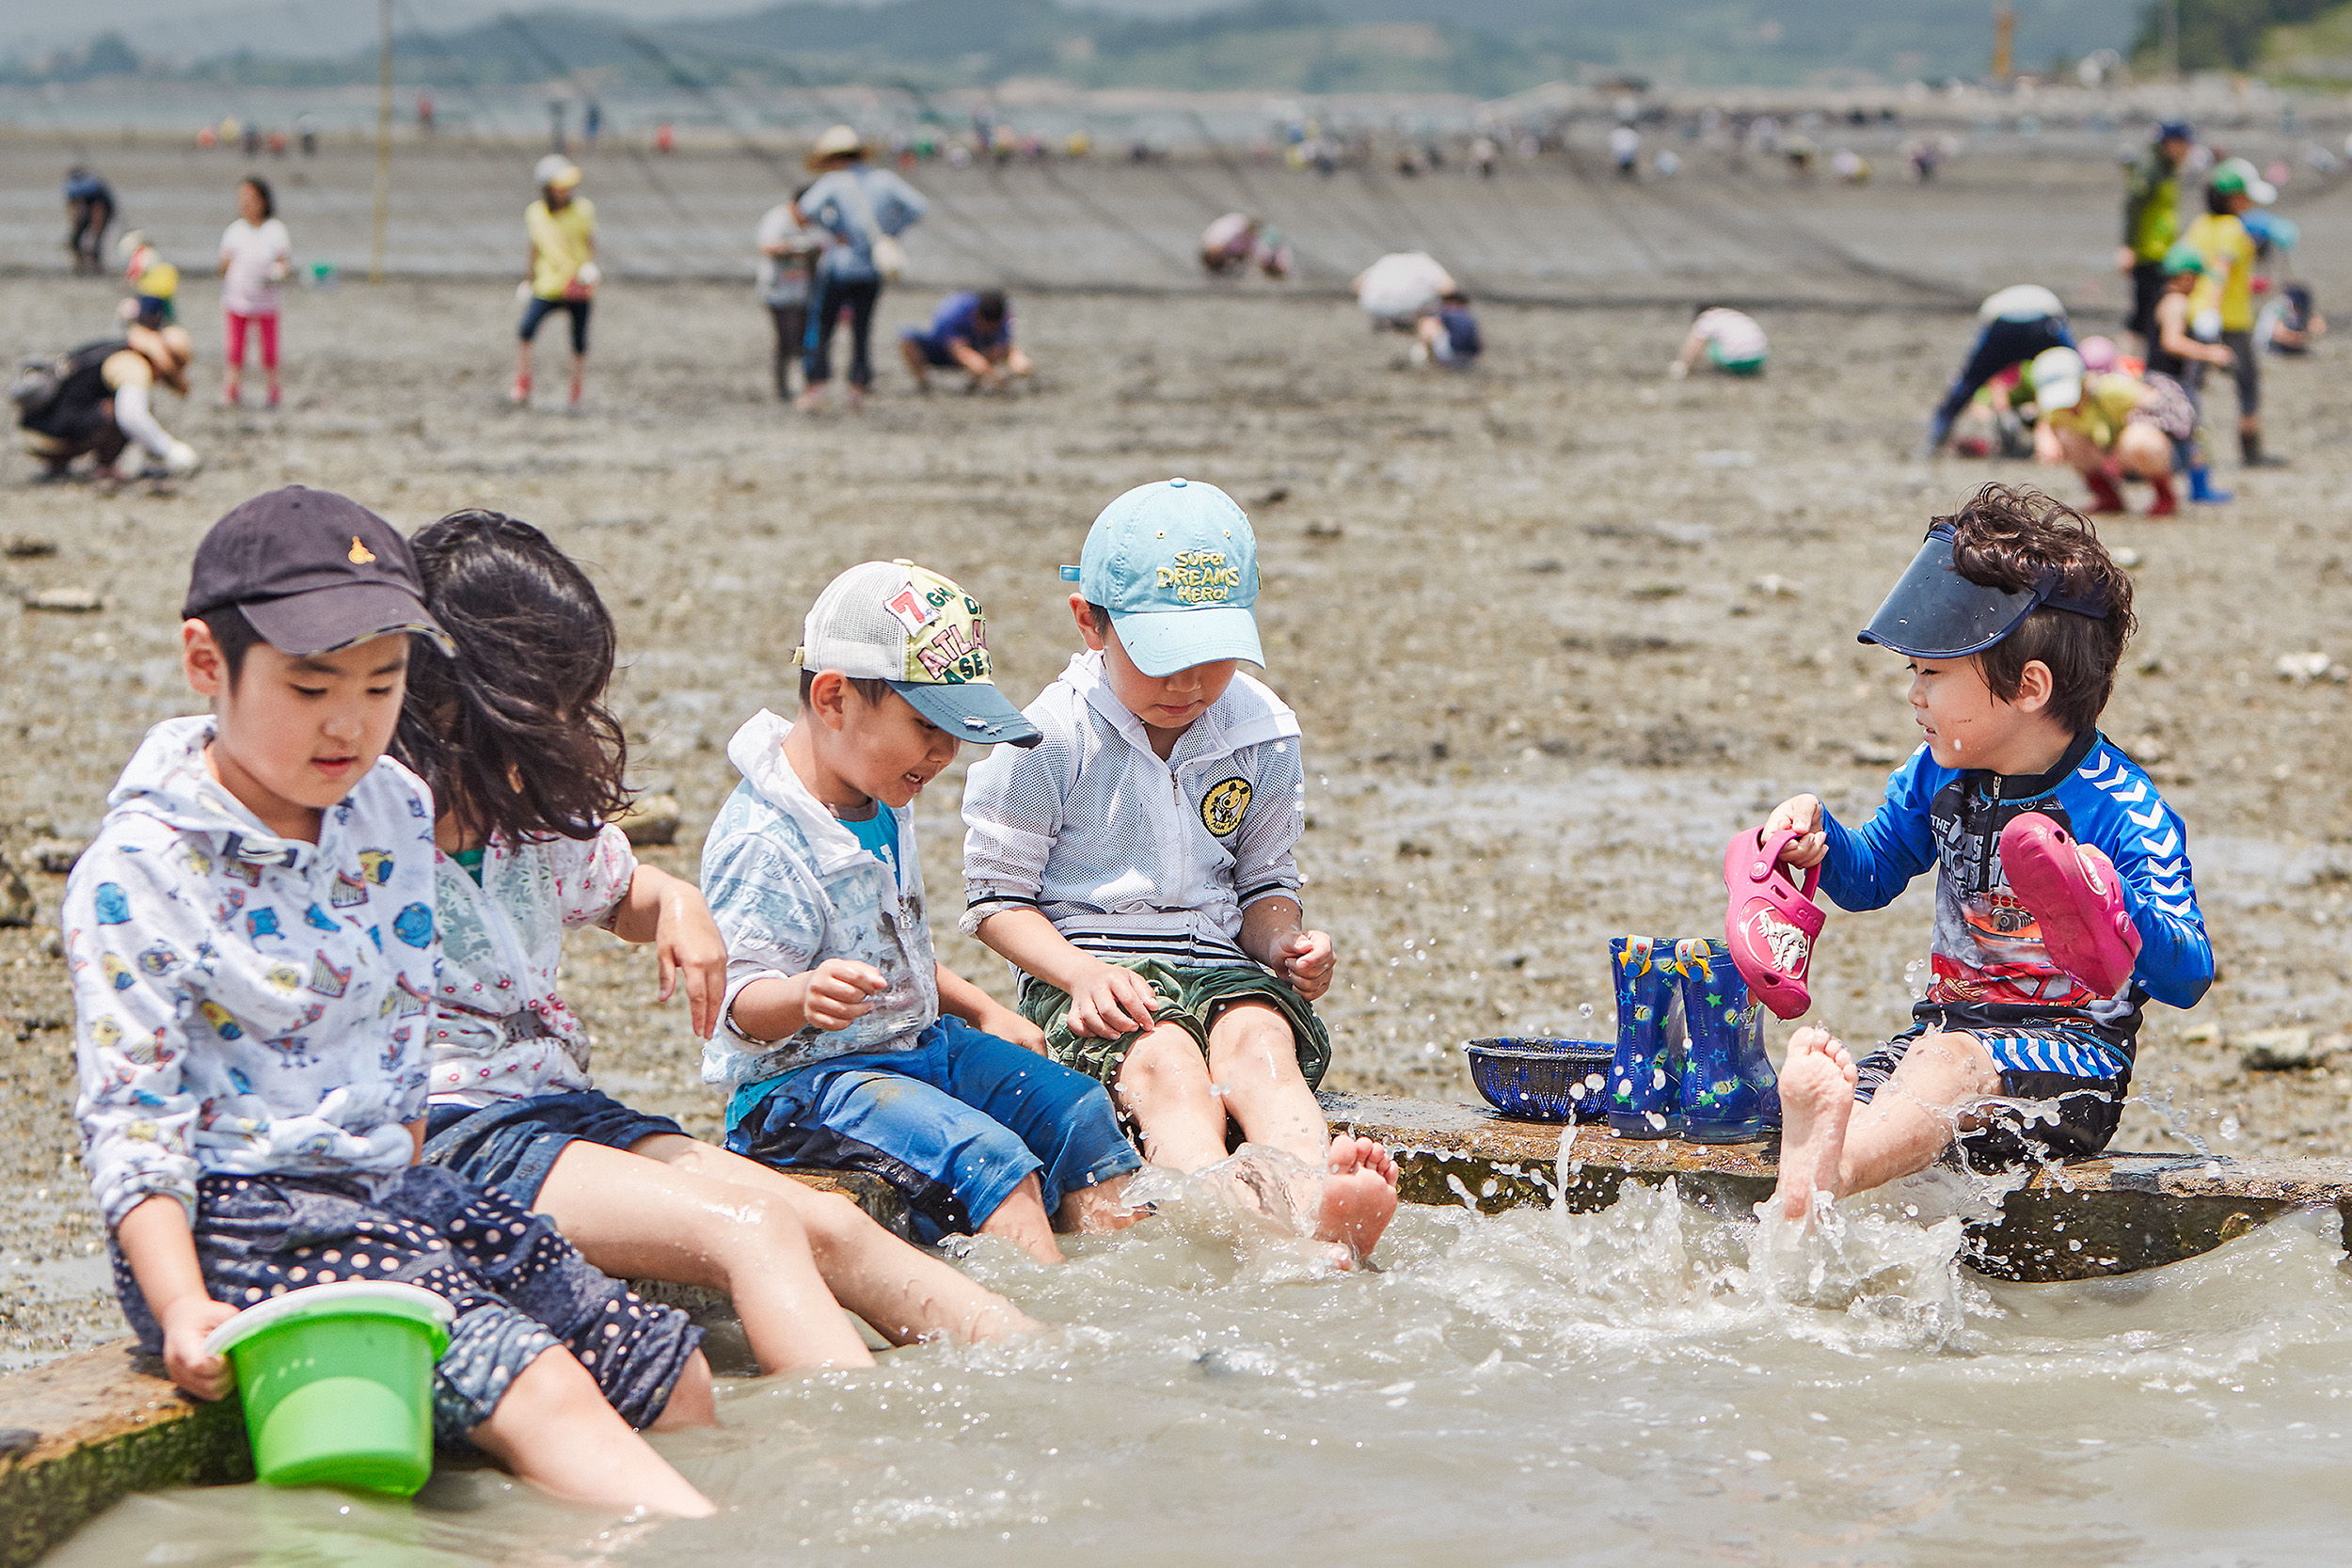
(1518, 610)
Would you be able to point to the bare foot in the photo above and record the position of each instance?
(1103, 1209)
(1816, 1101)
(1351, 1153)
(1359, 1197)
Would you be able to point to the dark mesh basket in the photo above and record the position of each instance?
(1542, 1080)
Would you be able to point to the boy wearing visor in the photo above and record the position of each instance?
(1136, 869)
(2013, 618)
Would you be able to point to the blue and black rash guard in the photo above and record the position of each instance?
(1991, 968)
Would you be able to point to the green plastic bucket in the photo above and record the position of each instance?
(338, 1384)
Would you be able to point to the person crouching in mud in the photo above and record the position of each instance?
(99, 400)
(2014, 617)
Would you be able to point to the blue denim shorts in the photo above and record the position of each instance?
(955, 1122)
(514, 1144)
(518, 1287)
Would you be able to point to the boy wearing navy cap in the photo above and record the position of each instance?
(2013, 618)
(1137, 866)
(251, 941)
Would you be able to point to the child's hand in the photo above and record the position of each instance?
(689, 946)
(1112, 1002)
(1304, 960)
(837, 990)
(1800, 814)
(1006, 1024)
(184, 1325)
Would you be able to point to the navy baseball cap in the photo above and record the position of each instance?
(2176, 130)
(312, 572)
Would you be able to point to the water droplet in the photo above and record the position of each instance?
(2229, 1128)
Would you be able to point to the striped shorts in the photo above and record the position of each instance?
(2074, 1083)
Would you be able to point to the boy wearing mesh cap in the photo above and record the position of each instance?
(846, 1044)
(1136, 865)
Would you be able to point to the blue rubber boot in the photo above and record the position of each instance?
(1646, 1079)
(2201, 488)
(1723, 1099)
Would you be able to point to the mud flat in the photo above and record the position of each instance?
(1554, 629)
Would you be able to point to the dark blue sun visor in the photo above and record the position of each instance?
(1935, 612)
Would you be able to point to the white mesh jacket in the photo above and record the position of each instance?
(1124, 853)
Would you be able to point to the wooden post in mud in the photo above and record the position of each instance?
(383, 139)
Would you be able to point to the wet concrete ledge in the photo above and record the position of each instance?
(81, 1431)
(2086, 1218)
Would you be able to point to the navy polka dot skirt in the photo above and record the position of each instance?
(518, 1287)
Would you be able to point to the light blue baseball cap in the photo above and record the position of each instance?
(1176, 564)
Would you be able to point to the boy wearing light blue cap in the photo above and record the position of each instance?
(1136, 865)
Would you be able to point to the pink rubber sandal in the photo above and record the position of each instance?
(2075, 899)
(1772, 923)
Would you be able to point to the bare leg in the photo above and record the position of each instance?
(1817, 1080)
(1164, 1084)
(2144, 452)
(1254, 1058)
(903, 1292)
(554, 1431)
(633, 1217)
(918, 366)
(1020, 1219)
(2083, 454)
(520, 391)
(693, 1402)
(1832, 1144)
(1099, 1210)
(579, 377)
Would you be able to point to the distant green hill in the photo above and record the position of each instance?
(2318, 52)
(2245, 35)
(1482, 47)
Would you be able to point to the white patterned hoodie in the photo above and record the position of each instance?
(499, 1031)
(789, 888)
(246, 1002)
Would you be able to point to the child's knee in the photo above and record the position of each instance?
(1253, 1032)
(1167, 1057)
(830, 1220)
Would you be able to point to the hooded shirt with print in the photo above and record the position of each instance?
(790, 887)
(244, 1003)
(498, 1030)
(1126, 854)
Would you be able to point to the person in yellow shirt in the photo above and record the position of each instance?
(2221, 306)
(2108, 428)
(562, 268)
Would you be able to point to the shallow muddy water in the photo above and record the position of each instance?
(1646, 1383)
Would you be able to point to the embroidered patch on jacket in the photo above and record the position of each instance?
(1222, 806)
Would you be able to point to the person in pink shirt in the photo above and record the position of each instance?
(255, 252)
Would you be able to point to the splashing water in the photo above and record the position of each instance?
(1648, 1382)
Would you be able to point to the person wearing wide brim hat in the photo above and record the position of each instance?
(861, 210)
(837, 148)
(562, 269)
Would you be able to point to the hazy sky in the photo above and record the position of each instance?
(207, 27)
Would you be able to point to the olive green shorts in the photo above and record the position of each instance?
(1196, 996)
